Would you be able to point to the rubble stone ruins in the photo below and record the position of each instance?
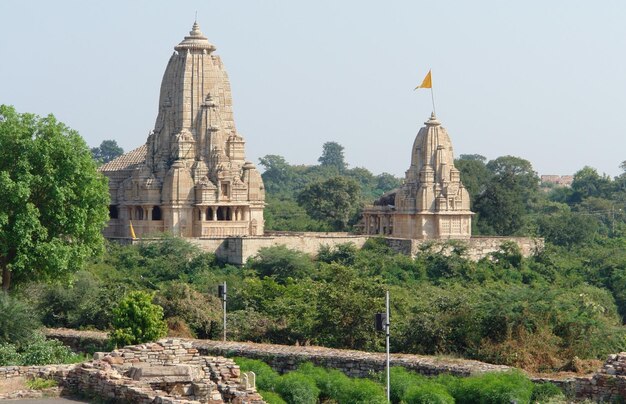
(191, 177)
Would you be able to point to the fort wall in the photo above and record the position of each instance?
(237, 250)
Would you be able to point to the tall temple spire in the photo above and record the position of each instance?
(191, 178)
(195, 41)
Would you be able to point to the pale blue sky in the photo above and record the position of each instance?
(543, 80)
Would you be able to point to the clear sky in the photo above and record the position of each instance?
(543, 80)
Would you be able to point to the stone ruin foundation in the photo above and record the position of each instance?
(167, 371)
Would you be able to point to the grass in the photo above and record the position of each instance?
(39, 383)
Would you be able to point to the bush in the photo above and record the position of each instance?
(400, 380)
(271, 398)
(136, 319)
(336, 386)
(17, 321)
(42, 351)
(428, 393)
(298, 388)
(282, 263)
(494, 388)
(542, 392)
(203, 314)
(87, 302)
(362, 391)
(266, 377)
(9, 355)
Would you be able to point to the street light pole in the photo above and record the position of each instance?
(382, 323)
(387, 326)
(221, 292)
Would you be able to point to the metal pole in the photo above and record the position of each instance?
(387, 344)
(224, 302)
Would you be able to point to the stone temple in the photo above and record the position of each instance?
(191, 177)
(432, 203)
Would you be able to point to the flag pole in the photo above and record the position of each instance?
(432, 97)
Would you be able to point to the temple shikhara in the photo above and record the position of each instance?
(432, 203)
(191, 177)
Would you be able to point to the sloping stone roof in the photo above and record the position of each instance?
(126, 161)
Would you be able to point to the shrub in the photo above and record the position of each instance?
(361, 391)
(17, 321)
(42, 351)
(9, 355)
(343, 254)
(282, 263)
(136, 319)
(335, 385)
(266, 377)
(494, 388)
(87, 302)
(298, 388)
(271, 398)
(201, 313)
(39, 383)
(400, 380)
(542, 392)
(428, 393)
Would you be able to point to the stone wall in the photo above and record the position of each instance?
(284, 358)
(236, 250)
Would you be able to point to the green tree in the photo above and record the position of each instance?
(53, 203)
(588, 183)
(278, 174)
(474, 173)
(136, 319)
(281, 263)
(332, 156)
(510, 193)
(335, 201)
(107, 151)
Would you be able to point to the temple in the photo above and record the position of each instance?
(191, 177)
(432, 203)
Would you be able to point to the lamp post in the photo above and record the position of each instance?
(221, 292)
(382, 324)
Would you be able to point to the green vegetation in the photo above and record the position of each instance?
(107, 151)
(324, 197)
(53, 203)
(39, 383)
(136, 319)
(313, 384)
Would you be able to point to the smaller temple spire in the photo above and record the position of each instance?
(432, 121)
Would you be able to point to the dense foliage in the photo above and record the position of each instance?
(107, 151)
(53, 202)
(21, 343)
(313, 384)
(324, 197)
(538, 313)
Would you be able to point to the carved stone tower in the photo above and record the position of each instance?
(432, 203)
(191, 177)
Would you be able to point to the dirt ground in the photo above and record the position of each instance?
(13, 384)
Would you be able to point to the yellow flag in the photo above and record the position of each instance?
(427, 83)
(132, 231)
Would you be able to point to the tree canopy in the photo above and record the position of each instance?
(53, 203)
(107, 151)
(332, 156)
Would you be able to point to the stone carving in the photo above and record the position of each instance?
(432, 203)
(191, 177)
